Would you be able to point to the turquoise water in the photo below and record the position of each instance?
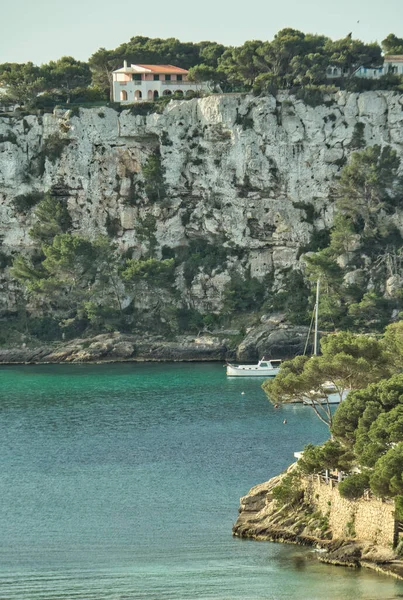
(123, 482)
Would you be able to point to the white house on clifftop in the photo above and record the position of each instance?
(148, 82)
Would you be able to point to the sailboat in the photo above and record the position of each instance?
(328, 387)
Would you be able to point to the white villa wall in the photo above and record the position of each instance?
(147, 89)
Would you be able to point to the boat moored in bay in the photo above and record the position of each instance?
(264, 368)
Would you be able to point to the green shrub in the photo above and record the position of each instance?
(24, 202)
(45, 328)
(354, 486)
(399, 508)
(112, 225)
(330, 456)
(53, 146)
(311, 214)
(154, 183)
(289, 490)
(8, 137)
(200, 254)
(311, 96)
(156, 272)
(5, 260)
(358, 139)
(244, 120)
(52, 218)
(189, 319)
(244, 294)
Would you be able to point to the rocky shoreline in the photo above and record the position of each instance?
(272, 338)
(118, 347)
(262, 518)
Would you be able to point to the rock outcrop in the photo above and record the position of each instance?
(117, 347)
(261, 517)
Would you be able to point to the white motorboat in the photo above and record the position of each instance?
(264, 368)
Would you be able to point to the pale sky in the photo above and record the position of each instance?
(42, 30)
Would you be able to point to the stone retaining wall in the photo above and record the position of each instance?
(368, 519)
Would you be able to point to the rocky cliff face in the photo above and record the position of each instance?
(250, 174)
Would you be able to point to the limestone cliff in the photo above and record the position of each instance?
(249, 174)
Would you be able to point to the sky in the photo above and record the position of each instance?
(43, 30)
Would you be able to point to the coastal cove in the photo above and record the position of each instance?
(123, 480)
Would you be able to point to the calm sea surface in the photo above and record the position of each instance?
(123, 481)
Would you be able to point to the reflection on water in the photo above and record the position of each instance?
(123, 481)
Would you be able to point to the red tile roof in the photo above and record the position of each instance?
(162, 68)
(394, 58)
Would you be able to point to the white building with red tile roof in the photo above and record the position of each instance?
(139, 83)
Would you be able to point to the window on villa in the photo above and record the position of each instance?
(179, 78)
(156, 77)
(167, 78)
(137, 77)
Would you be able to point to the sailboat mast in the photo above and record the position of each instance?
(315, 341)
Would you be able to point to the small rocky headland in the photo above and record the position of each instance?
(351, 533)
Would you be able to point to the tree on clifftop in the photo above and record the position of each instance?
(392, 44)
(348, 362)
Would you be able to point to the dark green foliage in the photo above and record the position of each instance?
(160, 273)
(358, 139)
(244, 120)
(366, 195)
(311, 214)
(45, 328)
(5, 260)
(373, 310)
(330, 456)
(53, 146)
(289, 490)
(8, 137)
(135, 195)
(24, 202)
(200, 254)
(244, 294)
(312, 96)
(370, 422)
(70, 272)
(387, 477)
(153, 173)
(354, 486)
(112, 225)
(145, 229)
(293, 299)
(392, 44)
(387, 394)
(369, 183)
(399, 508)
(52, 218)
(167, 252)
(165, 139)
(320, 240)
(189, 319)
(348, 362)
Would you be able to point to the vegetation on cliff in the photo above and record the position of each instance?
(367, 428)
(365, 244)
(293, 59)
